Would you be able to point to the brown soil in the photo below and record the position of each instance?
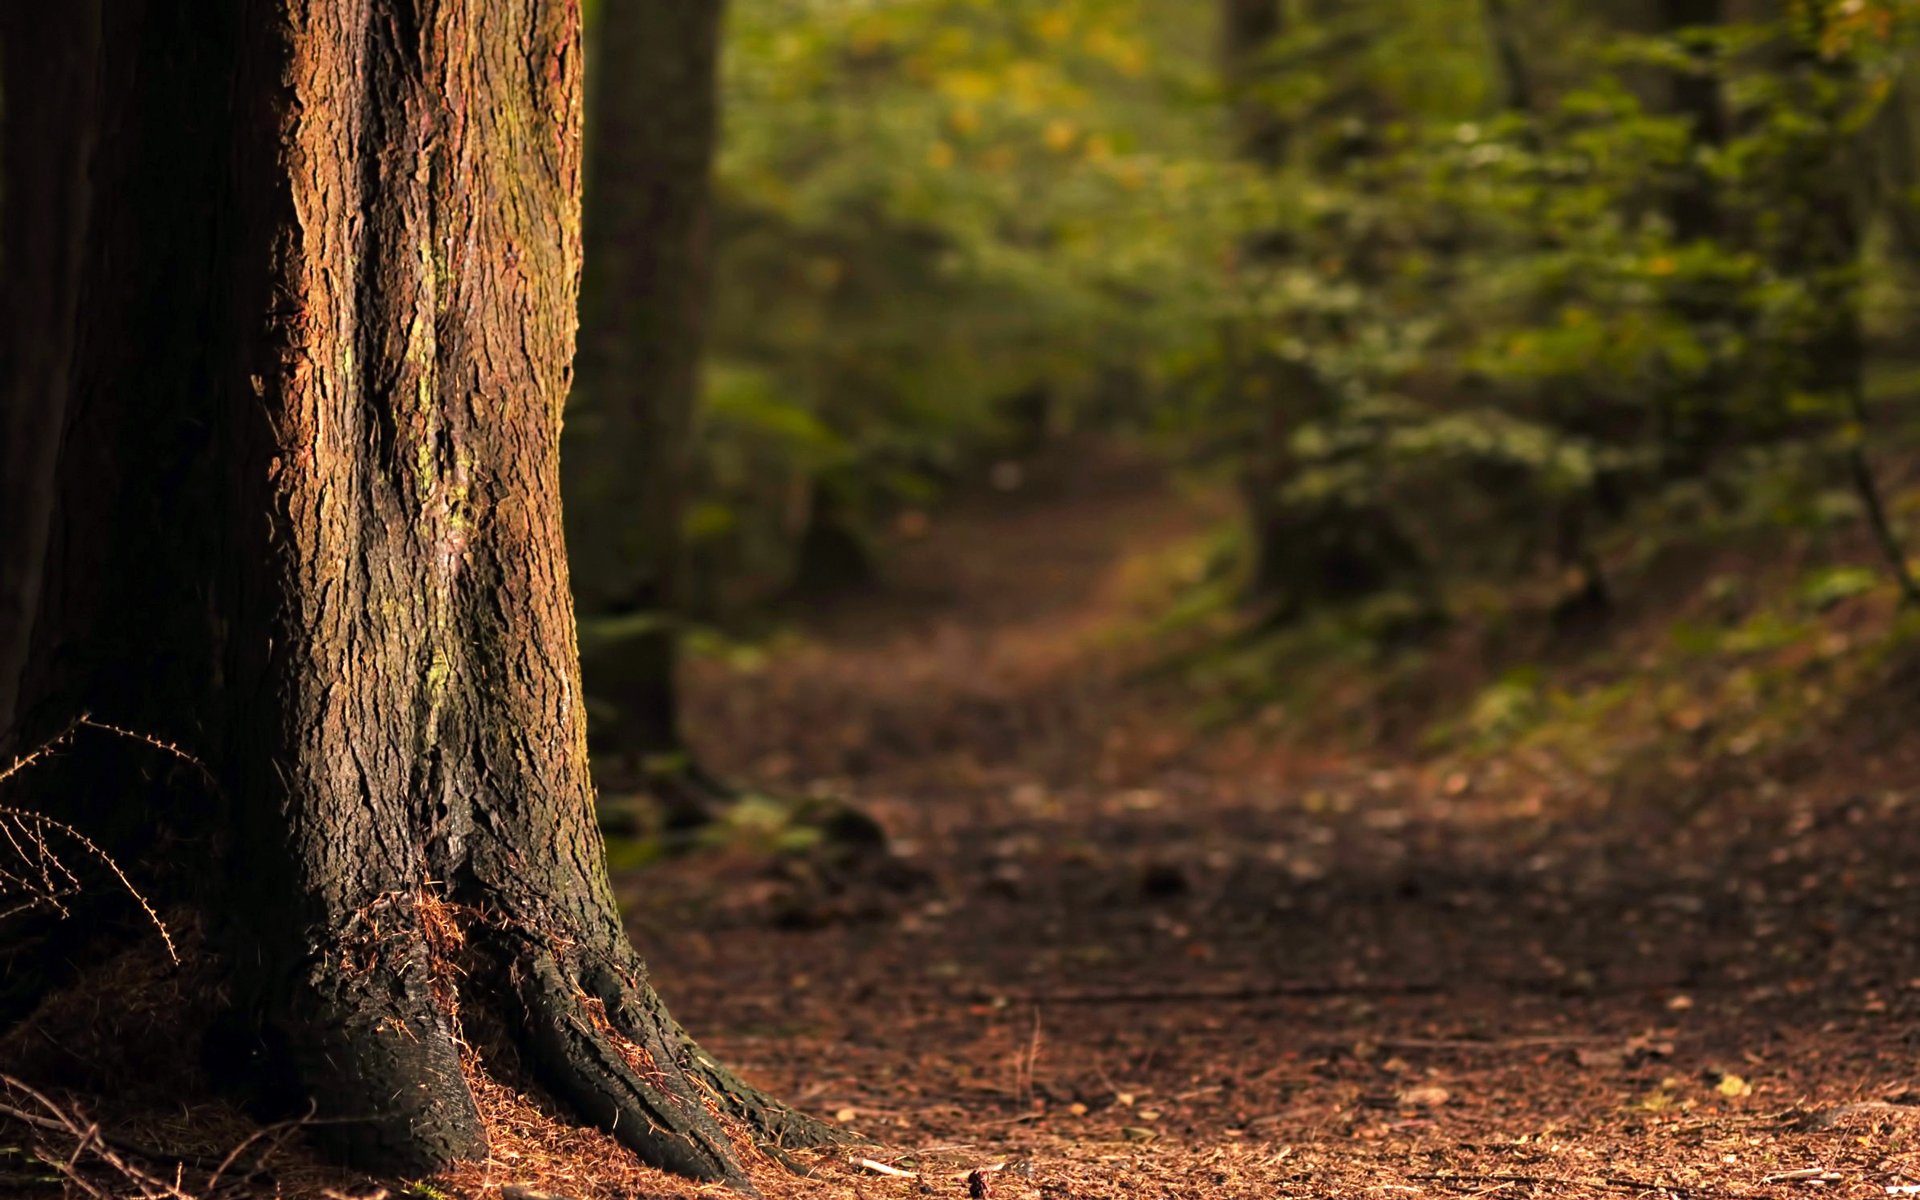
(1115, 956)
(1145, 961)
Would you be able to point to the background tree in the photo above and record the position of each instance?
(652, 121)
(1446, 289)
(1279, 372)
(306, 523)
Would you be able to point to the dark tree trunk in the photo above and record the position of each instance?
(1248, 29)
(1694, 421)
(1300, 557)
(1696, 97)
(833, 559)
(49, 54)
(1899, 176)
(1520, 94)
(1820, 242)
(307, 525)
(652, 121)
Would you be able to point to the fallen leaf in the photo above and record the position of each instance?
(1600, 1057)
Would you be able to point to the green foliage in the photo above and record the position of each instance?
(1509, 706)
(1506, 327)
(1465, 320)
(1826, 588)
(939, 218)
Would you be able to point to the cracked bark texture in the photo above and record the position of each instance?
(305, 521)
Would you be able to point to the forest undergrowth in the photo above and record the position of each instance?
(1623, 910)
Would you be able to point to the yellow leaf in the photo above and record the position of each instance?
(1123, 54)
(975, 86)
(871, 35)
(1733, 1087)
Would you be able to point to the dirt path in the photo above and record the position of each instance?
(1127, 960)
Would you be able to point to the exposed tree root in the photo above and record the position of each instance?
(592, 1042)
(375, 1051)
(372, 1037)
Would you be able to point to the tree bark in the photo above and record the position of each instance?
(307, 525)
(653, 118)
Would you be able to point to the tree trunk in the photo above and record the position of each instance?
(833, 558)
(1519, 94)
(1248, 29)
(307, 525)
(1899, 176)
(1300, 557)
(653, 116)
(48, 57)
(1695, 96)
(1692, 414)
(1821, 242)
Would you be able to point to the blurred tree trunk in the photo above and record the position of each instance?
(1694, 418)
(1818, 242)
(1900, 172)
(833, 558)
(1695, 97)
(1337, 550)
(653, 120)
(307, 525)
(1519, 94)
(1248, 29)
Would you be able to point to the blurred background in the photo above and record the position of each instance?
(1269, 573)
(1442, 374)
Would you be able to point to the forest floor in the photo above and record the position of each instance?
(1115, 949)
(1116, 955)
